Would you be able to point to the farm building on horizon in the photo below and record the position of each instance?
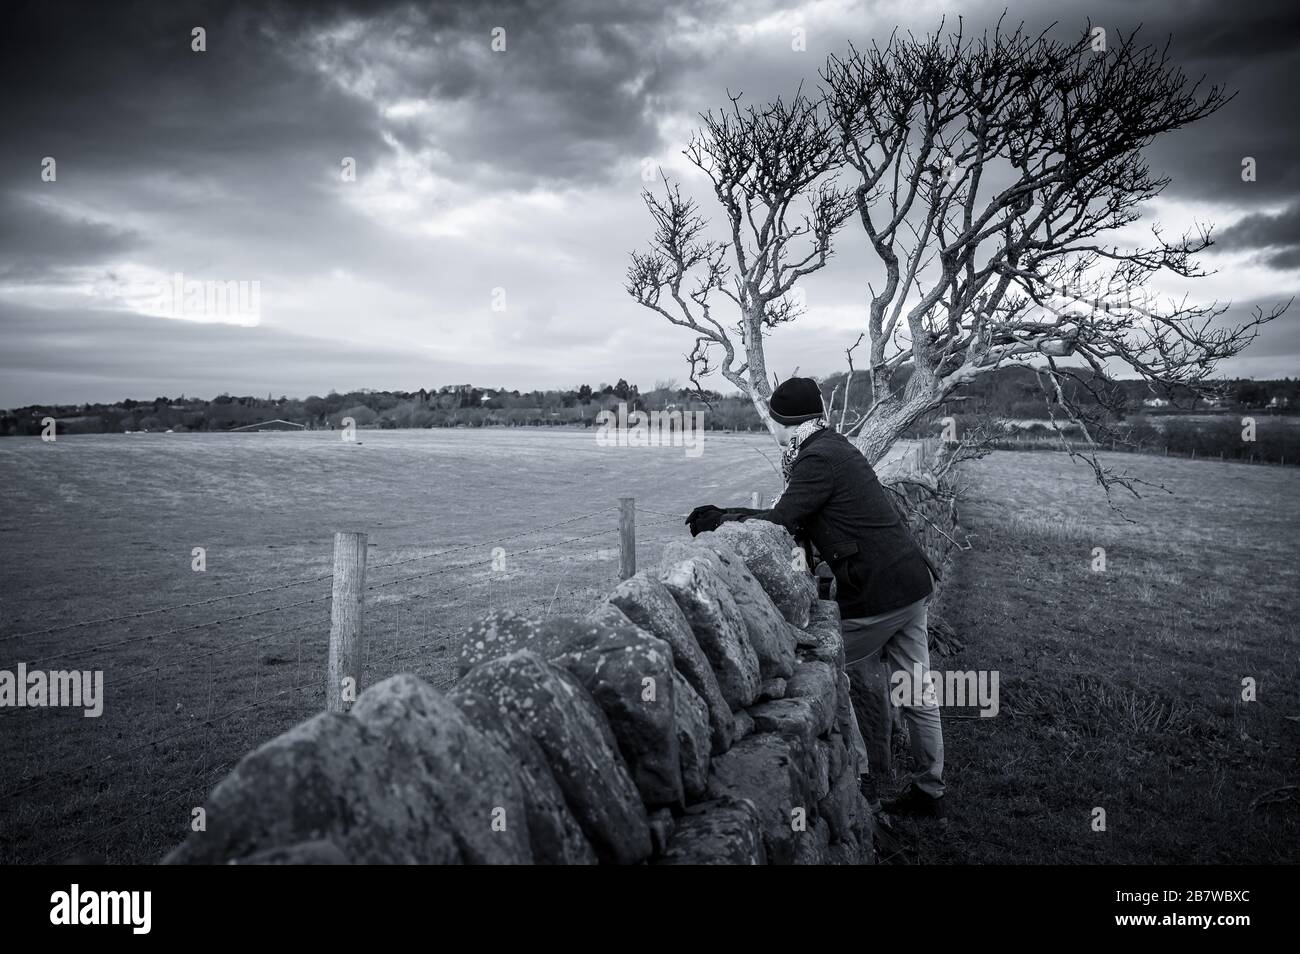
(276, 425)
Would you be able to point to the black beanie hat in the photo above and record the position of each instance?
(796, 400)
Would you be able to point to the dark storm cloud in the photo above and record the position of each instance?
(1260, 230)
(37, 242)
(54, 355)
(114, 85)
(114, 88)
(1251, 49)
(572, 93)
(1278, 234)
(1287, 259)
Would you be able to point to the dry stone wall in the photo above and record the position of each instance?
(695, 716)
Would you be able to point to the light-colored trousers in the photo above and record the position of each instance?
(898, 639)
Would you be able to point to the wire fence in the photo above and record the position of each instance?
(182, 703)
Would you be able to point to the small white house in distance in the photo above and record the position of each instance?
(1156, 402)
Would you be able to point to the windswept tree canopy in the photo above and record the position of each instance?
(993, 177)
(769, 170)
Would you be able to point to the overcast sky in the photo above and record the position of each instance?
(478, 170)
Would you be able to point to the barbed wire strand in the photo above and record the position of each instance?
(489, 543)
(488, 562)
(661, 513)
(224, 649)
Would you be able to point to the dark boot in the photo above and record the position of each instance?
(915, 802)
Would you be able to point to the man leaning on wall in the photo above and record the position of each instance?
(833, 500)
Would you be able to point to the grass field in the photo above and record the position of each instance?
(1122, 689)
(1198, 593)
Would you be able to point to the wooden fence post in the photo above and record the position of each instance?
(755, 500)
(626, 537)
(347, 622)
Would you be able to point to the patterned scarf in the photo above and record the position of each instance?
(801, 434)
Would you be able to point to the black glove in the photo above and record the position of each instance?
(702, 519)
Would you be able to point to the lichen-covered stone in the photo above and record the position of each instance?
(718, 626)
(811, 844)
(803, 639)
(553, 832)
(793, 719)
(817, 682)
(647, 602)
(843, 807)
(776, 561)
(762, 769)
(467, 778)
(627, 671)
(856, 852)
(819, 768)
(693, 743)
(766, 628)
(328, 778)
(724, 831)
(824, 639)
(568, 726)
(322, 851)
(744, 725)
(838, 751)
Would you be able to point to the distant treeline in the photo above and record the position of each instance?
(1011, 392)
(447, 406)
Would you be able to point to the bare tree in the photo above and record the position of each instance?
(994, 172)
(771, 168)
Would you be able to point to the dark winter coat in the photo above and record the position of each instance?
(835, 501)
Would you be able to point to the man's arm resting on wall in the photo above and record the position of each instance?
(811, 483)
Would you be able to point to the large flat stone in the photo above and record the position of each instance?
(553, 832)
(648, 603)
(326, 779)
(768, 631)
(792, 719)
(467, 779)
(843, 807)
(693, 743)
(718, 626)
(817, 682)
(762, 769)
(568, 726)
(811, 845)
(627, 671)
(319, 852)
(824, 640)
(776, 562)
(725, 831)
